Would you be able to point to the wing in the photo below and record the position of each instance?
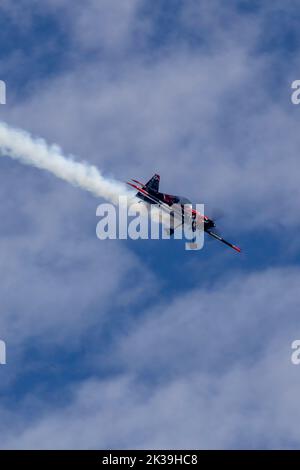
(221, 239)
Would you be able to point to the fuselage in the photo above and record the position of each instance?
(180, 202)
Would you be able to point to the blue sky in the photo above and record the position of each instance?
(123, 344)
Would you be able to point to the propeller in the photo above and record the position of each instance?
(214, 214)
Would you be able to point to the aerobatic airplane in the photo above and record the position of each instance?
(178, 207)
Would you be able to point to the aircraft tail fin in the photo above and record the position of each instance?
(153, 183)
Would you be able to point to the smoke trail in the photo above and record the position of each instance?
(20, 145)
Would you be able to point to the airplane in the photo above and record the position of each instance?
(179, 207)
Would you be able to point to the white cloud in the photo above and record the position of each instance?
(104, 24)
(201, 381)
(55, 270)
(207, 122)
(211, 369)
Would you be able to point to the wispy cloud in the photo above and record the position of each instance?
(205, 101)
(211, 389)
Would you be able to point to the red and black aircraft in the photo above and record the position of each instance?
(179, 207)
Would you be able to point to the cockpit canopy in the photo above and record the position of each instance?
(183, 200)
(170, 200)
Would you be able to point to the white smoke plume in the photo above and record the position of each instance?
(20, 145)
